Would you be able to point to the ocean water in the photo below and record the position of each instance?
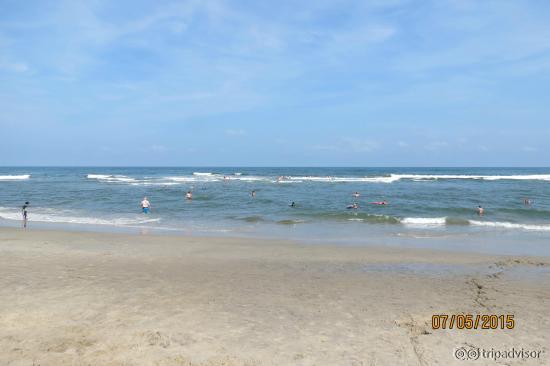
(428, 204)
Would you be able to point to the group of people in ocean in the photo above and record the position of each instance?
(146, 204)
(355, 205)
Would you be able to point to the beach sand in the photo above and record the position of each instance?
(70, 298)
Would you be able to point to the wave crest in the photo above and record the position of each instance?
(111, 178)
(511, 225)
(66, 217)
(15, 177)
(424, 221)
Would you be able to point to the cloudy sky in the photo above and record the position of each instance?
(316, 83)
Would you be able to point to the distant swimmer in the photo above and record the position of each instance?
(145, 205)
(380, 203)
(253, 194)
(356, 195)
(527, 201)
(292, 204)
(189, 195)
(24, 212)
(480, 210)
(353, 206)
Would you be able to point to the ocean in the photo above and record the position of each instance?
(425, 206)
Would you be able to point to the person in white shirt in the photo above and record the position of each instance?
(145, 205)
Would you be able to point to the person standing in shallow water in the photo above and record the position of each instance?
(480, 210)
(24, 212)
(145, 205)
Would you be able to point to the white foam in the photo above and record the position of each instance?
(382, 179)
(15, 177)
(214, 177)
(312, 179)
(111, 178)
(389, 179)
(424, 221)
(510, 225)
(217, 178)
(202, 174)
(250, 178)
(420, 177)
(205, 178)
(62, 216)
(155, 183)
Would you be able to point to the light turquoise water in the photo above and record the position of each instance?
(427, 204)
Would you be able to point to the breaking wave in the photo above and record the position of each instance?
(511, 225)
(111, 178)
(15, 177)
(67, 217)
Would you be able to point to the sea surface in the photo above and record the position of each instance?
(431, 207)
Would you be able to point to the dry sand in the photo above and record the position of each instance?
(69, 298)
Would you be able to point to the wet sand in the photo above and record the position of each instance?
(70, 298)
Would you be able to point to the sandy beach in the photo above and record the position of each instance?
(71, 298)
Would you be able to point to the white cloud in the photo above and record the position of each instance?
(157, 148)
(235, 132)
(347, 144)
(18, 67)
(358, 145)
(436, 145)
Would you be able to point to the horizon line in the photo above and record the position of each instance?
(275, 166)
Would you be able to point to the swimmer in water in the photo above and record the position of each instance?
(189, 195)
(145, 205)
(527, 201)
(480, 210)
(292, 204)
(356, 194)
(253, 194)
(353, 206)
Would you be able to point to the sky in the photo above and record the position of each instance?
(275, 83)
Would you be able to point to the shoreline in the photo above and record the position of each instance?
(485, 242)
(116, 299)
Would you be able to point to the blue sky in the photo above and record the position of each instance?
(317, 83)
